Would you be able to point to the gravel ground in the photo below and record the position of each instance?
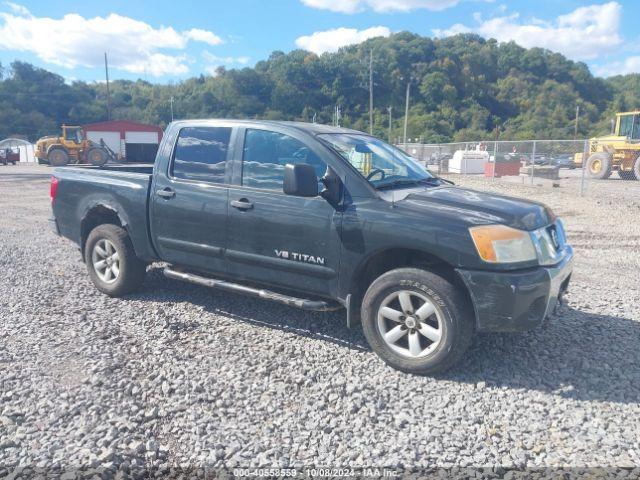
(178, 375)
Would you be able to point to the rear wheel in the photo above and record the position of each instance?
(599, 166)
(58, 157)
(417, 321)
(111, 261)
(97, 156)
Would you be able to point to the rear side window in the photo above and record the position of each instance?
(201, 154)
(265, 155)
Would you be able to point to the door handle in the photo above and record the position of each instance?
(166, 193)
(242, 204)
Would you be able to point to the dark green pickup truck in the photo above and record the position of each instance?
(318, 218)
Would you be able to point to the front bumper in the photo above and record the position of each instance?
(517, 301)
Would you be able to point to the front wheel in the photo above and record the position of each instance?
(97, 156)
(599, 166)
(58, 157)
(417, 321)
(111, 261)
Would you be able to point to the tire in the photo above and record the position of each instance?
(599, 166)
(451, 325)
(636, 168)
(130, 269)
(97, 156)
(58, 157)
(627, 175)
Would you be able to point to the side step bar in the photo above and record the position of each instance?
(302, 303)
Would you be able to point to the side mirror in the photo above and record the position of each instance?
(300, 180)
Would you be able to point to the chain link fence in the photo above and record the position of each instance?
(553, 163)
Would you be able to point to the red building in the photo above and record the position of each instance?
(135, 142)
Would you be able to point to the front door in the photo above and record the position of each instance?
(275, 238)
(190, 200)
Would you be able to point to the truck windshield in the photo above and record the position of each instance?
(383, 165)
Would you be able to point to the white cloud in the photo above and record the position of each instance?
(628, 65)
(204, 36)
(157, 65)
(18, 9)
(71, 41)
(215, 61)
(381, 6)
(211, 58)
(332, 40)
(585, 33)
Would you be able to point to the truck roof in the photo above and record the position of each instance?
(313, 128)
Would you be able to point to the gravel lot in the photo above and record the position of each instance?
(179, 375)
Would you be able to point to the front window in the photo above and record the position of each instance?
(265, 155)
(73, 134)
(629, 126)
(383, 165)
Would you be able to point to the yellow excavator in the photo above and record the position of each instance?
(619, 151)
(72, 147)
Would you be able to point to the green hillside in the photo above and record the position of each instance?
(462, 88)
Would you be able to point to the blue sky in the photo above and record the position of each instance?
(164, 41)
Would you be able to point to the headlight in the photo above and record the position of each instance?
(502, 244)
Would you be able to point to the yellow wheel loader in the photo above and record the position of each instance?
(72, 147)
(619, 151)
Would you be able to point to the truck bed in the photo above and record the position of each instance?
(146, 168)
(122, 190)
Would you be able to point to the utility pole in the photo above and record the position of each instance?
(575, 131)
(406, 112)
(106, 71)
(389, 109)
(371, 92)
(171, 102)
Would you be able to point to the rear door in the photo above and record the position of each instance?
(275, 238)
(190, 199)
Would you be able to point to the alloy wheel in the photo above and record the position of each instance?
(410, 323)
(106, 261)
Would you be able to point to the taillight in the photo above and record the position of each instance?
(54, 188)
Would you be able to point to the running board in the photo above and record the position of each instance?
(302, 303)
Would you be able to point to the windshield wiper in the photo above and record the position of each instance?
(407, 182)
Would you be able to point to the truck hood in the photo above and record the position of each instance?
(476, 208)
